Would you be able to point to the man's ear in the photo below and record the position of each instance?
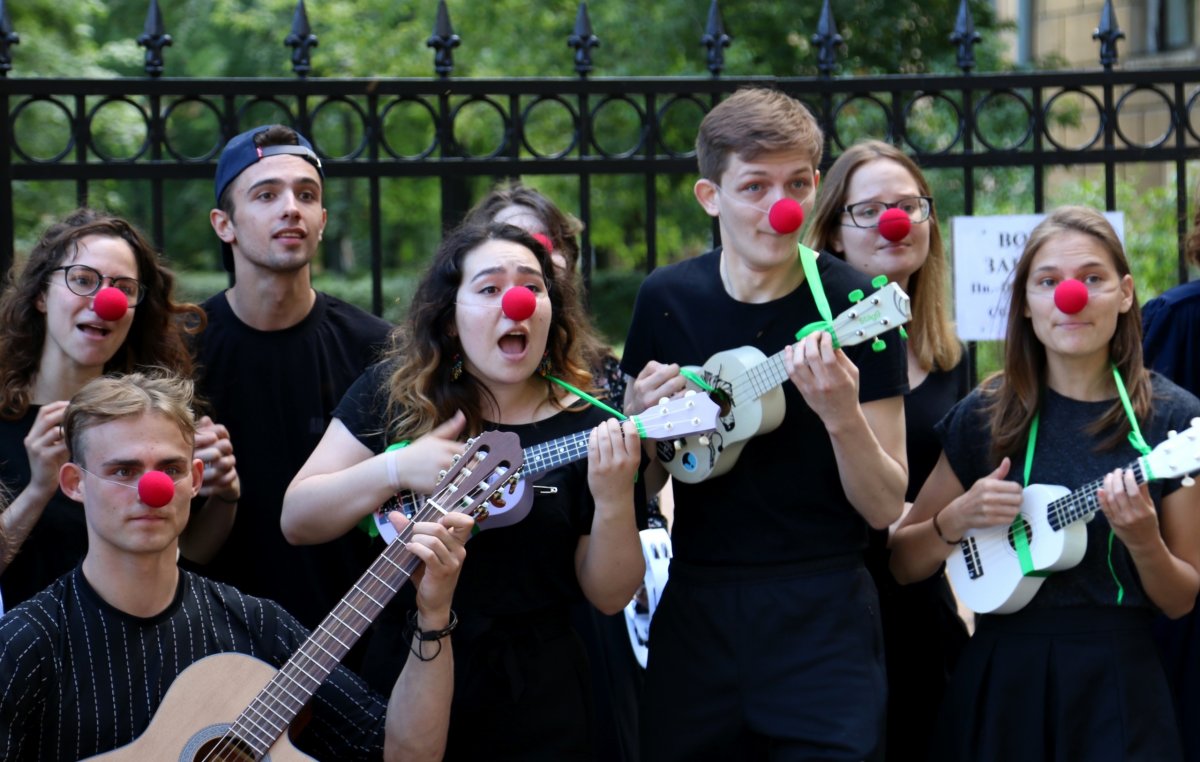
(70, 481)
(222, 224)
(706, 193)
(197, 476)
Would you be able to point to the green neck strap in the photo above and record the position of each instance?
(597, 403)
(1021, 539)
(808, 260)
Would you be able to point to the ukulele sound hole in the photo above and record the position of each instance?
(1012, 532)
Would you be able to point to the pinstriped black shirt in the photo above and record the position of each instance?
(79, 677)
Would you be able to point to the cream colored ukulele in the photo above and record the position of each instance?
(232, 707)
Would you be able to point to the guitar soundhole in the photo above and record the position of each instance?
(723, 398)
(224, 750)
(1012, 532)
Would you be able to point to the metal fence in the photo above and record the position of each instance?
(963, 122)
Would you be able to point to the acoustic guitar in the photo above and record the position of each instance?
(747, 385)
(234, 708)
(986, 568)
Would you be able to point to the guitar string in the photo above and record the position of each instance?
(428, 511)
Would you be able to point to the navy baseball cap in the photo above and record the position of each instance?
(240, 153)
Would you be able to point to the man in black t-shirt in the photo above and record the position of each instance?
(276, 358)
(86, 663)
(766, 641)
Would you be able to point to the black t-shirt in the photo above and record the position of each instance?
(924, 407)
(526, 567)
(59, 538)
(783, 500)
(79, 677)
(1065, 455)
(276, 391)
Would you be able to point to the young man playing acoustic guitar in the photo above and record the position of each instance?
(766, 642)
(85, 664)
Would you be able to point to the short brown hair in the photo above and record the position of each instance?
(109, 398)
(752, 122)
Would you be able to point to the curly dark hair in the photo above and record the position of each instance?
(156, 336)
(421, 392)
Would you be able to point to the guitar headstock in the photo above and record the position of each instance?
(692, 413)
(491, 461)
(1177, 456)
(878, 313)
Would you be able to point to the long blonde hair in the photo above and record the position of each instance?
(931, 335)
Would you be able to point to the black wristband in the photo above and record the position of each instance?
(426, 636)
(938, 529)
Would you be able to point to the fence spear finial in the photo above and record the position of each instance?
(301, 40)
(154, 38)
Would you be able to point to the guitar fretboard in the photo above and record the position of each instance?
(1083, 502)
(272, 711)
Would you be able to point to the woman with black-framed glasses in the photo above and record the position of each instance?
(63, 322)
(923, 635)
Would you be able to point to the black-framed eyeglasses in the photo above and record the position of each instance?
(86, 281)
(865, 214)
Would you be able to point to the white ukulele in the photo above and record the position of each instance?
(986, 570)
(747, 385)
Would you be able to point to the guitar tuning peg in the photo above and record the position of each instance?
(456, 458)
(470, 441)
(1188, 481)
(878, 345)
(442, 474)
(704, 440)
(879, 281)
(855, 296)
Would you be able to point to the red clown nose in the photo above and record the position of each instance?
(786, 216)
(518, 303)
(110, 304)
(894, 224)
(1071, 296)
(156, 489)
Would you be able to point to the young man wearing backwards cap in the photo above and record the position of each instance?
(276, 359)
(766, 641)
(85, 664)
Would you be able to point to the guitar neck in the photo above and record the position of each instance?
(272, 711)
(760, 379)
(1083, 502)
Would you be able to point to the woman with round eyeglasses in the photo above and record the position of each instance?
(853, 219)
(92, 298)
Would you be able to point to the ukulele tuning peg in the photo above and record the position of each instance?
(704, 440)
(690, 393)
(664, 400)
(1188, 481)
(668, 425)
(456, 458)
(1172, 434)
(855, 296)
(442, 474)
(677, 444)
(879, 281)
(903, 333)
(878, 345)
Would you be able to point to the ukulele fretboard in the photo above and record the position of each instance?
(1083, 502)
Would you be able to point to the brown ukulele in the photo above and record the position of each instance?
(234, 708)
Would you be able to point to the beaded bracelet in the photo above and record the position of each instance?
(426, 636)
(938, 529)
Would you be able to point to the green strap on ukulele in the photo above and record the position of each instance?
(1021, 539)
(808, 260)
(606, 408)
